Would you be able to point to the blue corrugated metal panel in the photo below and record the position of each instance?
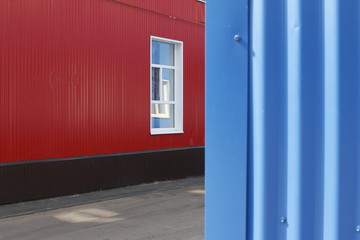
(303, 119)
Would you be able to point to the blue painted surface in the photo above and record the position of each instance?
(303, 129)
(226, 124)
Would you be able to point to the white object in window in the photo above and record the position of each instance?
(166, 84)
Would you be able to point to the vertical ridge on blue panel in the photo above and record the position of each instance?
(294, 29)
(258, 131)
(331, 124)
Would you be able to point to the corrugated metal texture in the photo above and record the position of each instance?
(303, 127)
(188, 10)
(74, 78)
(305, 133)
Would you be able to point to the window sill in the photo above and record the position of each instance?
(165, 131)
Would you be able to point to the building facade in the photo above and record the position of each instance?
(99, 94)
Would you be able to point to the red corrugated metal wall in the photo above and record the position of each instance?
(74, 76)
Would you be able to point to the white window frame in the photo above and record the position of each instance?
(178, 88)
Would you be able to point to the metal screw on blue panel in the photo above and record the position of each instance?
(283, 219)
(358, 228)
(237, 38)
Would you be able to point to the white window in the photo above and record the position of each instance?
(166, 84)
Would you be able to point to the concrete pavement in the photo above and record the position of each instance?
(164, 211)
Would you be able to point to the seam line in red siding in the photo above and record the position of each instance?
(163, 14)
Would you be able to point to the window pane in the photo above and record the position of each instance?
(162, 115)
(155, 82)
(162, 53)
(168, 84)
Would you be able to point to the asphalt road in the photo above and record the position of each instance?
(174, 212)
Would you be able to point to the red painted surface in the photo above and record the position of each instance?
(74, 76)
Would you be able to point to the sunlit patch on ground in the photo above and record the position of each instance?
(197, 191)
(89, 215)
